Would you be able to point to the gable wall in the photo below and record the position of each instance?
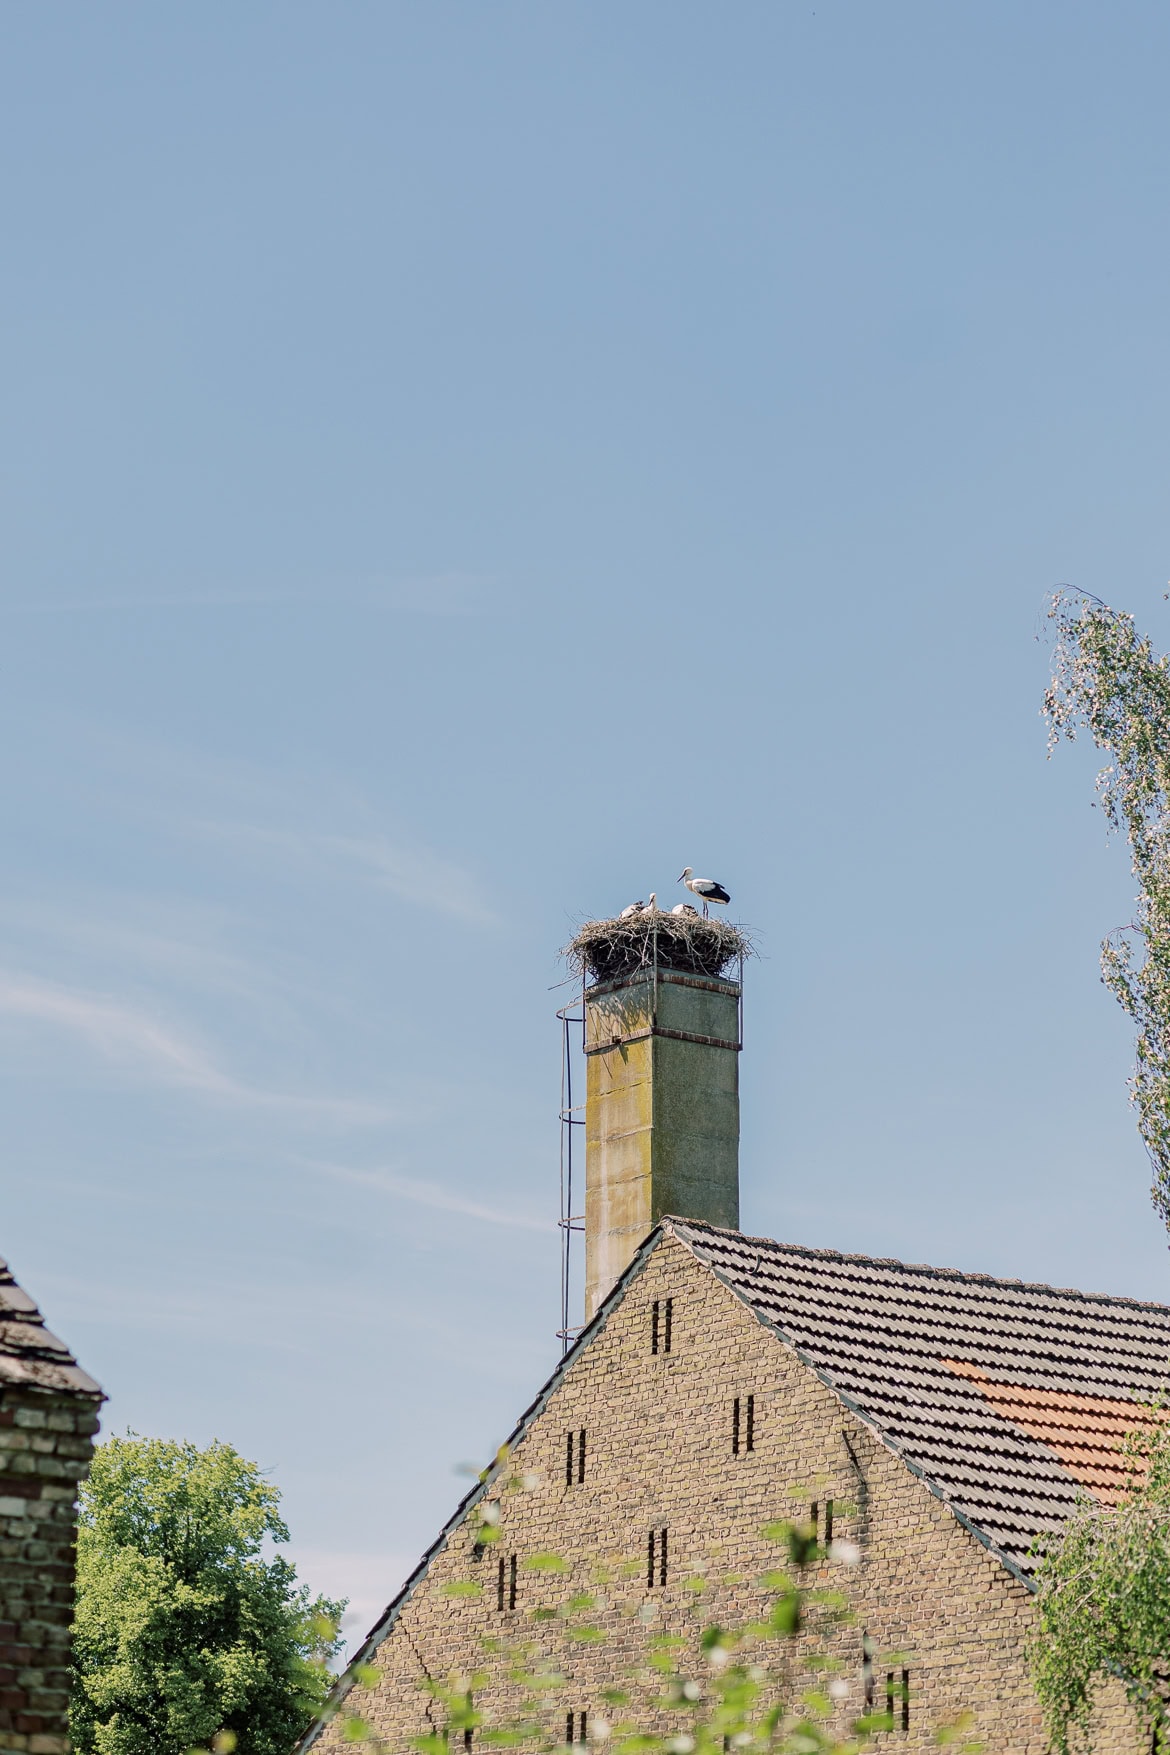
(659, 1453)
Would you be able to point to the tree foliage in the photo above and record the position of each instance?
(1108, 681)
(1105, 1601)
(770, 1684)
(1105, 1580)
(186, 1633)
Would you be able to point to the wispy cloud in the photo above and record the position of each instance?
(439, 594)
(431, 1194)
(130, 1037)
(313, 825)
(412, 873)
(158, 937)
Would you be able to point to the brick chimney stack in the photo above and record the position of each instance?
(48, 1417)
(661, 1112)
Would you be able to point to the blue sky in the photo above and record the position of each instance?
(460, 465)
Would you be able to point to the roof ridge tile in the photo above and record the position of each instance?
(968, 1276)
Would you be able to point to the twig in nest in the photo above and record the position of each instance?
(606, 950)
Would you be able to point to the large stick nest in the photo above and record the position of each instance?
(608, 950)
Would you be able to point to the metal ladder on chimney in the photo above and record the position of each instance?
(570, 1224)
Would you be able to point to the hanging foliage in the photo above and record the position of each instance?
(1108, 680)
(1104, 1599)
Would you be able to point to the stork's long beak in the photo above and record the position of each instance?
(680, 877)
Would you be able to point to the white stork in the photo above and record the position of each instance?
(634, 908)
(684, 908)
(706, 889)
(652, 905)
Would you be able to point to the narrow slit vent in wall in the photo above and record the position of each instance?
(894, 1695)
(506, 1583)
(574, 1457)
(576, 1727)
(661, 1324)
(656, 1558)
(743, 1424)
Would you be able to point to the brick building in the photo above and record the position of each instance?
(48, 1416)
(931, 1422)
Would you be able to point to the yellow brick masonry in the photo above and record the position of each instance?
(659, 1452)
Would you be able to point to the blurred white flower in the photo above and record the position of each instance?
(718, 1657)
(529, 1482)
(845, 1553)
(691, 1690)
(681, 1745)
(598, 1728)
(838, 1688)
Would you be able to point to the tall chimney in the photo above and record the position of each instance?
(661, 1112)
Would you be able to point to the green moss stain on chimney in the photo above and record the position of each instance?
(661, 1112)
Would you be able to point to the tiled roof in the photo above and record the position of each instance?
(1008, 1399)
(31, 1357)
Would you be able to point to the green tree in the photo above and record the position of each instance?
(1109, 681)
(186, 1632)
(1104, 1582)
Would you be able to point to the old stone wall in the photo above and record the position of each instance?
(46, 1442)
(659, 1456)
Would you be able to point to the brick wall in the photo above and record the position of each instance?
(659, 1454)
(46, 1441)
